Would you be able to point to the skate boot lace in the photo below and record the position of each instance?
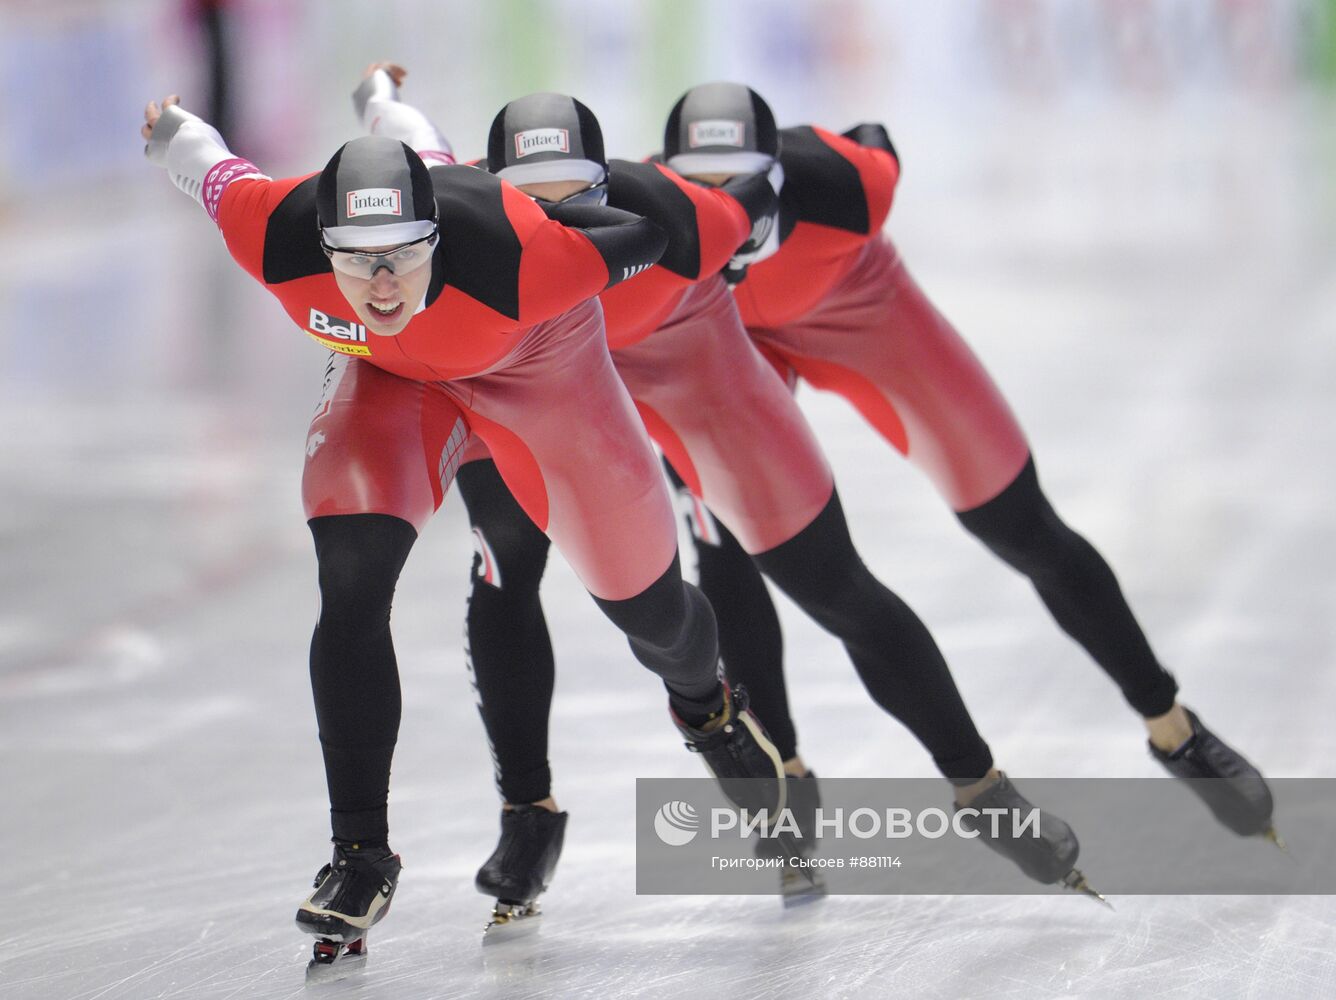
(734, 705)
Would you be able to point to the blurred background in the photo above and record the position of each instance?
(1128, 207)
(1044, 143)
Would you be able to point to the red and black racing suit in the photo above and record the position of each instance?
(509, 346)
(836, 306)
(736, 435)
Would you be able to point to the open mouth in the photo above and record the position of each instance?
(386, 312)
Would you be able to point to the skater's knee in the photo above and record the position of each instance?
(1021, 527)
(359, 557)
(660, 614)
(819, 567)
(723, 554)
(672, 631)
(509, 555)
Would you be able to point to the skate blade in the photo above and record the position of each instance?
(334, 960)
(800, 890)
(804, 897)
(1270, 834)
(512, 921)
(1076, 882)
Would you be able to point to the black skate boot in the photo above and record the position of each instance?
(740, 756)
(352, 892)
(520, 868)
(1234, 790)
(799, 882)
(1049, 858)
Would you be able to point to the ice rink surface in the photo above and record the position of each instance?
(1156, 294)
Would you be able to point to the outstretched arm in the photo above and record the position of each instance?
(627, 243)
(195, 155)
(377, 105)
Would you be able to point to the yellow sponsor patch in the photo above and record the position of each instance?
(361, 350)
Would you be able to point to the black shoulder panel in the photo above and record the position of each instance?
(479, 252)
(292, 237)
(754, 193)
(874, 136)
(642, 189)
(820, 185)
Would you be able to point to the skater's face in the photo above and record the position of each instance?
(710, 180)
(570, 192)
(554, 190)
(385, 301)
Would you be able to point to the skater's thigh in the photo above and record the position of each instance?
(726, 421)
(567, 441)
(380, 444)
(882, 345)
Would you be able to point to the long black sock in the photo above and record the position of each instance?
(751, 642)
(1078, 587)
(354, 674)
(895, 655)
(669, 626)
(509, 649)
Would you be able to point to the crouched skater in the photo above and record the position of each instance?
(452, 306)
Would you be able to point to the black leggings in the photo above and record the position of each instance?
(669, 625)
(1022, 528)
(892, 650)
(355, 677)
(354, 674)
(1078, 587)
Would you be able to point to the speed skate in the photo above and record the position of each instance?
(520, 869)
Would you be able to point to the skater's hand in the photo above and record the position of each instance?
(152, 114)
(753, 250)
(395, 71)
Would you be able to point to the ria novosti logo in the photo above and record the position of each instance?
(676, 824)
(375, 201)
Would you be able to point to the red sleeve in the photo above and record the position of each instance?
(559, 266)
(877, 169)
(721, 220)
(243, 218)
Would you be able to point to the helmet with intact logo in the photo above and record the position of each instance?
(375, 191)
(546, 137)
(720, 128)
